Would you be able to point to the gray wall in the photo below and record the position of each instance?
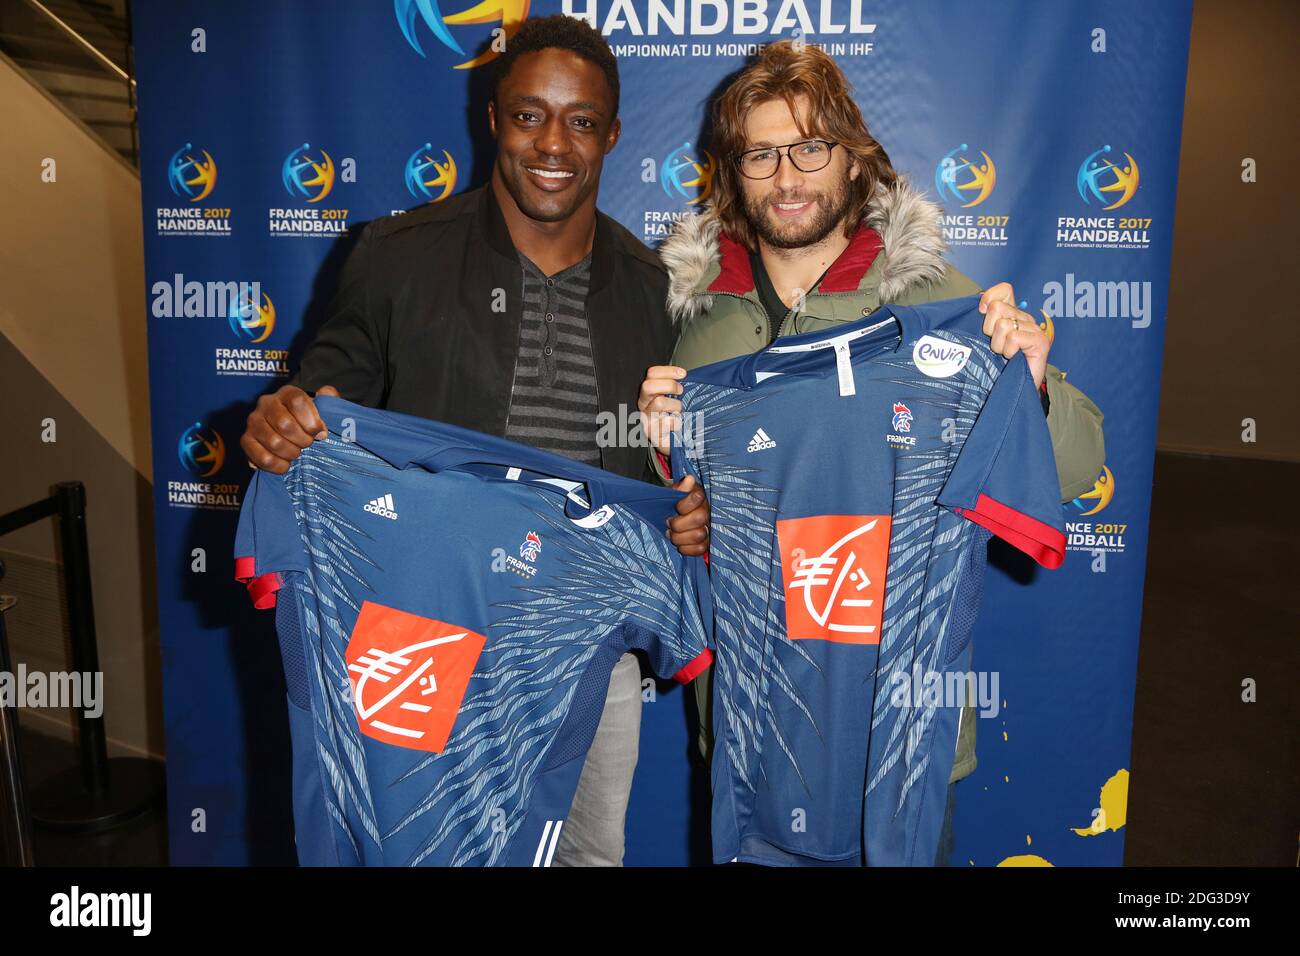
(1233, 341)
(72, 349)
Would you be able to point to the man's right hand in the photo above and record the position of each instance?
(281, 426)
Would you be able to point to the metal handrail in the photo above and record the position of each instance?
(85, 44)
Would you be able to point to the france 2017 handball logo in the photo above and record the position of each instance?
(682, 171)
(902, 417)
(510, 14)
(1100, 495)
(201, 450)
(1100, 180)
(191, 178)
(960, 180)
(252, 320)
(422, 183)
(1091, 536)
(307, 178)
(531, 547)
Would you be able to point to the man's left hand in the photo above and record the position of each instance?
(689, 531)
(1012, 330)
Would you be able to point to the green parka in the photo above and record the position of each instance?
(895, 258)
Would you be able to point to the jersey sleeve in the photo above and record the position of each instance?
(676, 630)
(696, 636)
(1005, 475)
(267, 542)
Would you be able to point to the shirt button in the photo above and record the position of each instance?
(550, 317)
(548, 350)
(550, 282)
(868, 310)
(758, 330)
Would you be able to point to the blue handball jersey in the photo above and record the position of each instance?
(855, 475)
(449, 607)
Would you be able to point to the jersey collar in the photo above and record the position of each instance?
(886, 330)
(405, 441)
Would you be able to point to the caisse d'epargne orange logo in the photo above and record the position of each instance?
(409, 675)
(833, 572)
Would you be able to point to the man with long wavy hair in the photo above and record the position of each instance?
(811, 226)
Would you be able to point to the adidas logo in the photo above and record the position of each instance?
(383, 506)
(761, 441)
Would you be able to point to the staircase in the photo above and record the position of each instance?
(83, 83)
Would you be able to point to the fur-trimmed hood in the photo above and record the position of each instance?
(908, 225)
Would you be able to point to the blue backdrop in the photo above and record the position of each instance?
(1050, 133)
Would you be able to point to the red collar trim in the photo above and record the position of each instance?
(736, 276)
(847, 271)
(844, 275)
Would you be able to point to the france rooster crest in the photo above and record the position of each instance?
(531, 547)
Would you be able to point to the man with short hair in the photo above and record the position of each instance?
(519, 310)
(811, 226)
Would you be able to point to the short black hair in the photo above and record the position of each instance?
(559, 32)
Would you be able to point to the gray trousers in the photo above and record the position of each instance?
(593, 833)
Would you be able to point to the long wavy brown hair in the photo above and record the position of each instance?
(785, 71)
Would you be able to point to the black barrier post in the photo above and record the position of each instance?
(71, 496)
(13, 792)
(99, 793)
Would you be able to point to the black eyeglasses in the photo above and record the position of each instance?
(807, 157)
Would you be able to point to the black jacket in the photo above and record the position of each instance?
(413, 328)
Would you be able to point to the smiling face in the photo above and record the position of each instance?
(553, 123)
(793, 209)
